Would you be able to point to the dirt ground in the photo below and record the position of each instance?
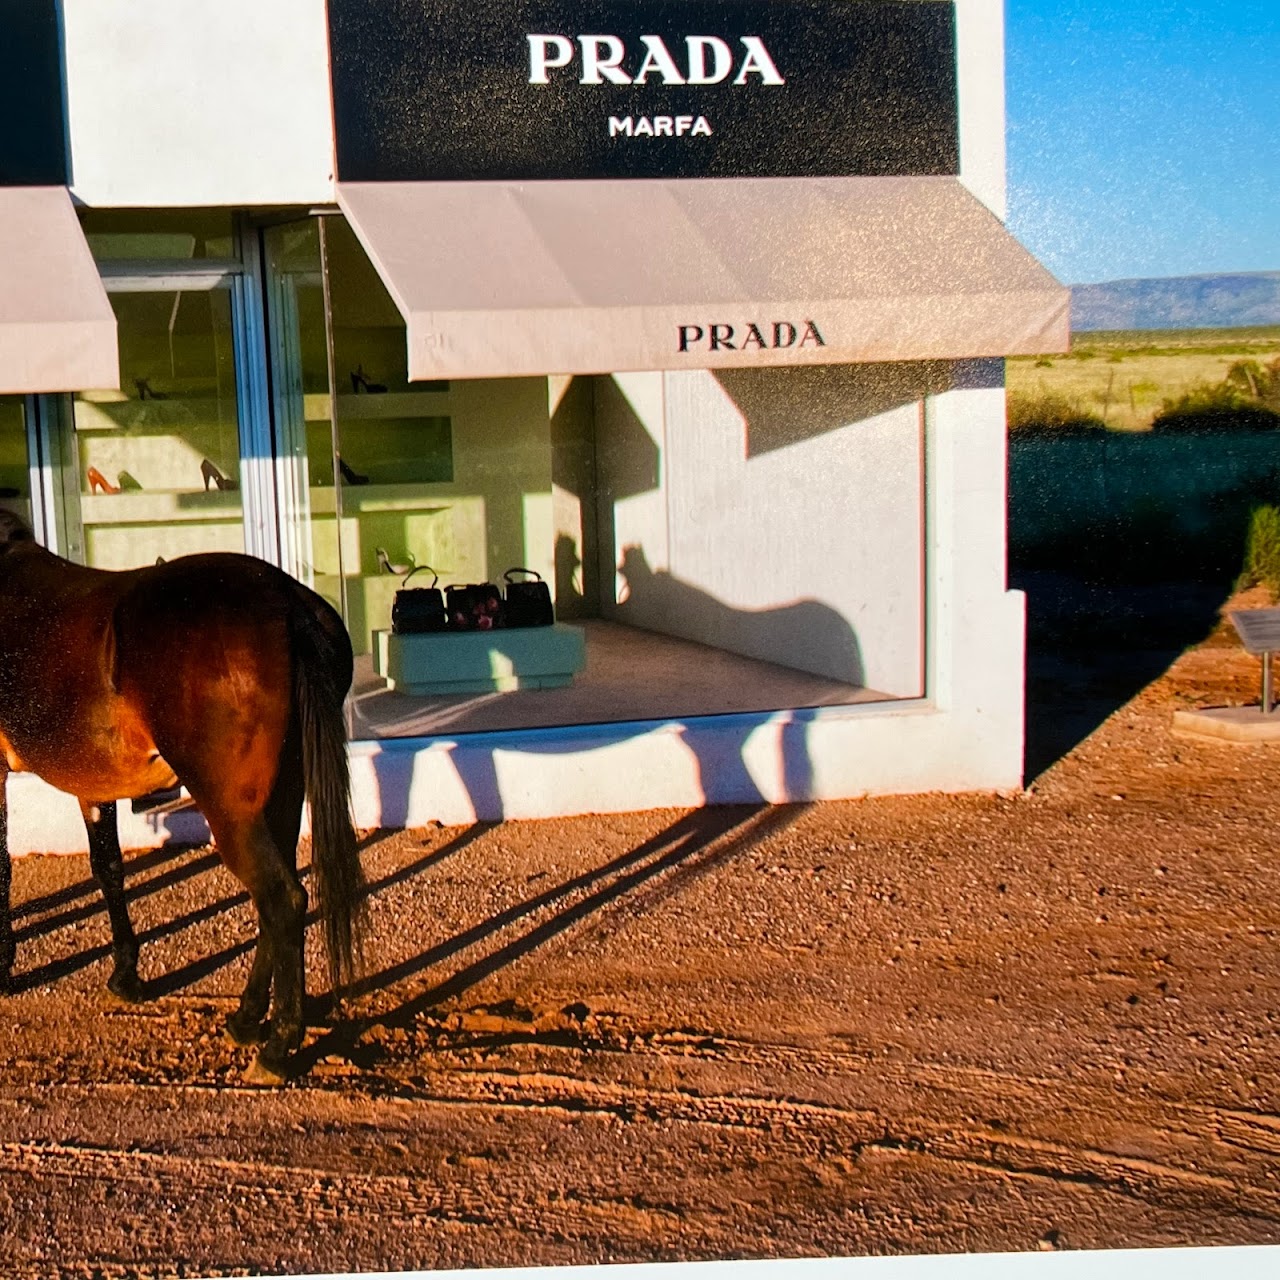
(927, 1024)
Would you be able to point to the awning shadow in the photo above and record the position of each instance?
(833, 397)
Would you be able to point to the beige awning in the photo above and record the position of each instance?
(504, 278)
(57, 329)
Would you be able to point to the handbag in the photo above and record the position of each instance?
(418, 609)
(476, 606)
(528, 604)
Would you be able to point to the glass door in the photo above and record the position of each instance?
(364, 461)
(298, 343)
(157, 463)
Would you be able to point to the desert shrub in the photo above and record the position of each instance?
(1260, 383)
(1262, 550)
(1215, 407)
(1050, 414)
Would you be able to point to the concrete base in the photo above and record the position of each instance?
(1229, 724)
(450, 662)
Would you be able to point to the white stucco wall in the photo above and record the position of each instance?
(142, 132)
(980, 88)
(183, 102)
(786, 522)
(180, 102)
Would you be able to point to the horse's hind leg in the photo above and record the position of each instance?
(284, 818)
(247, 1024)
(108, 870)
(7, 947)
(252, 856)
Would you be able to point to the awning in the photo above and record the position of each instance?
(505, 278)
(57, 329)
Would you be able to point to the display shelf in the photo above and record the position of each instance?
(155, 417)
(390, 404)
(359, 499)
(183, 411)
(160, 506)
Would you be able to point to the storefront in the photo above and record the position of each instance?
(695, 310)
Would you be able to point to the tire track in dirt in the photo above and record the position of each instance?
(813, 1127)
(1178, 1122)
(307, 1197)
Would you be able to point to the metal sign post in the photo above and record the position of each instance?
(1259, 631)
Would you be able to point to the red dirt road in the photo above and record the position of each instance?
(902, 1025)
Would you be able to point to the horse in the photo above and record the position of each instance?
(217, 672)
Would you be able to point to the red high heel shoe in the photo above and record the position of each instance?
(98, 481)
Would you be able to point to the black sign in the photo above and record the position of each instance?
(33, 149)
(504, 89)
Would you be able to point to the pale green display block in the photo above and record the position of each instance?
(480, 661)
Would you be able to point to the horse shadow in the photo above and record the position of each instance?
(693, 846)
(807, 634)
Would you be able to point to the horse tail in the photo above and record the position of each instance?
(321, 677)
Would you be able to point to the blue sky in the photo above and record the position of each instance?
(1144, 137)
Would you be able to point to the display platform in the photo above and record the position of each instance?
(445, 662)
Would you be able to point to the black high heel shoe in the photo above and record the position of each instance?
(351, 477)
(212, 475)
(360, 383)
(145, 392)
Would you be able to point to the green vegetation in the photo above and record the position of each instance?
(1126, 380)
(1262, 550)
(1247, 399)
(1049, 414)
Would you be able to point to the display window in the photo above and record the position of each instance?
(368, 460)
(152, 470)
(713, 542)
(15, 472)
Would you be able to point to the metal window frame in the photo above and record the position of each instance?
(50, 419)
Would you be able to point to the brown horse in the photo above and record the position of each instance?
(215, 671)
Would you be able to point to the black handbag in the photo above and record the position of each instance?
(418, 609)
(528, 604)
(476, 606)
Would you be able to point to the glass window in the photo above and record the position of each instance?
(388, 445)
(15, 478)
(159, 460)
(686, 525)
(172, 235)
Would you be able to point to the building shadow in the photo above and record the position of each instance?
(1093, 645)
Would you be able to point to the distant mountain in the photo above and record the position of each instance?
(1178, 302)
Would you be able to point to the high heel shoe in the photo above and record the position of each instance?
(145, 392)
(360, 383)
(384, 563)
(126, 481)
(98, 481)
(212, 475)
(351, 477)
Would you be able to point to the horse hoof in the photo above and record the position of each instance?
(259, 1072)
(244, 1031)
(126, 986)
